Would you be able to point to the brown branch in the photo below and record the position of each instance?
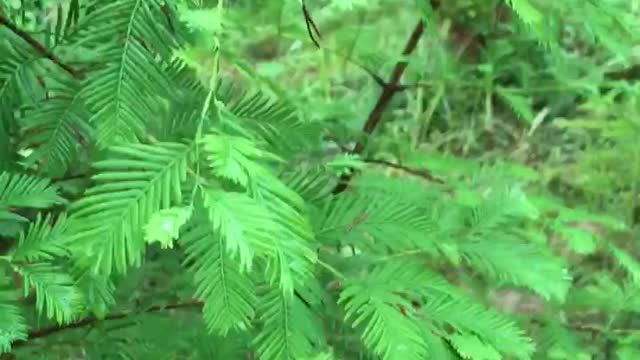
(391, 87)
(388, 91)
(39, 47)
(39, 333)
(424, 174)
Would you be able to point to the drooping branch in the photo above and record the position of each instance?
(40, 48)
(39, 333)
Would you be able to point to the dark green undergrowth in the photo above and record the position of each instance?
(337, 179)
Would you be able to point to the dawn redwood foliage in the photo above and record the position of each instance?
(162, 196)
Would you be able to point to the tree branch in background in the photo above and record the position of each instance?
(88, 321)
(388, 91)
(39, 333)
(40, 48)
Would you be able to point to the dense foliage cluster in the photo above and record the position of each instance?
(320, 179)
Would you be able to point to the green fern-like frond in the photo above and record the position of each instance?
(375, 221)
(498, 208)
(122, 94)
(181, 116)
(493, 239)
(625, 261)
(526, 11)
(602, 292)
(98, 290)
(533, 18)
(136, 182)
(375, 302)
(247, 227)
(611, 23)
(42, 241)
(206, 346)
(19, 67)
(25, 191)
(312, 183)
(57, 126)
(467, 316)
(57, 297)
(558, 341)
(279, 124)
(439, 348)
(227, 290)
(508, 259)
(164, 226)
(241, 161)
(293, 236)
(233, 157)
(471, 347)
(290, 329)
(13, 326)
(208, 21)
(519, 103)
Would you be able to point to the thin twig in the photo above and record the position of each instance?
(310, 23)
(371, 73)
(40, 48)
(417, 172)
